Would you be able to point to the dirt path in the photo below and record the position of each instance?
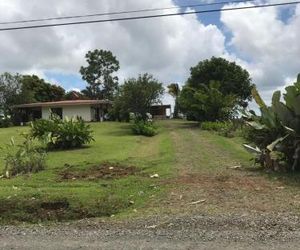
(214, 178)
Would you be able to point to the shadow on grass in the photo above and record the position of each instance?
(182, 124)
(69, 149)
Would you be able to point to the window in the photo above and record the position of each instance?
(57, 111)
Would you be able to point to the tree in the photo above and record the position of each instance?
(10, 89)
(137, 96)
(174, 90)
(35, 89)
(207, 103)
(74, 95)
(99, 74)
(232, 77)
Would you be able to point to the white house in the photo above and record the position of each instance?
(88, 110)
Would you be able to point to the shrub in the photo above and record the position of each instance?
(23, 158)
(62, 134)
(146, 128)
(226, 129)
(5, 122)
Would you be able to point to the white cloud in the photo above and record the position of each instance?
(165, 47)
(269, 46)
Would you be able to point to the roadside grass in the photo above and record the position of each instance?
(43, 196)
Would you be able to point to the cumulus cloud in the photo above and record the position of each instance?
(165, 47)
(266, 43)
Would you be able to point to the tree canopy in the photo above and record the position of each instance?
(233, 78)
(10, 89)
(214, 90)
(35, 89)
(207, 103)
(102, 84)
(137, 95)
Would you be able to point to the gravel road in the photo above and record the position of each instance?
(186, 232)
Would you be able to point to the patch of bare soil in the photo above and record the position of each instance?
(233, 192)
(105, 170)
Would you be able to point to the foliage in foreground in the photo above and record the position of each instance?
(62, 133)
(24, 158)
(277, 131)
(146, 128)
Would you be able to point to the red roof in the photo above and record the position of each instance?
(63, 103)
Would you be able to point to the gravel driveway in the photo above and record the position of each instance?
(186, 232)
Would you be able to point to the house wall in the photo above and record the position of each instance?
(83, 111)
(45, 113)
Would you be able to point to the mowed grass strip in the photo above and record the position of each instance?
(44, 196)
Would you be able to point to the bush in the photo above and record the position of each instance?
(226, 129)
(62, 134)
(5, 122)
(24, 158)
(146, 128)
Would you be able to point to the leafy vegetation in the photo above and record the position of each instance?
(35, 89)
(174, 90)
(226, 128)
(24, 158)
(62, 133)
(233, 79)
(207, 103)
(141, 127)
(10, 87)
(102, 64)
(5, 122)
(46, 196)
(136, 96)
(276, 132)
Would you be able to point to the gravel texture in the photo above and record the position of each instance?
(246, 231)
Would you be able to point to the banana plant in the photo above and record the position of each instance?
(289, 115)
(282, 120)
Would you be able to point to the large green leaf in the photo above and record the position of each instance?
(258, 98)
(276, 97)
(284, 113)
(290, 96)
(256, 125)
(297, 106)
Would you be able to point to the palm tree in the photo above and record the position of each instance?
(174, 90)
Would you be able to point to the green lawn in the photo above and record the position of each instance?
(192, 165)
(21, 197)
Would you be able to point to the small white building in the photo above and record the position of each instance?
(88, 110)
